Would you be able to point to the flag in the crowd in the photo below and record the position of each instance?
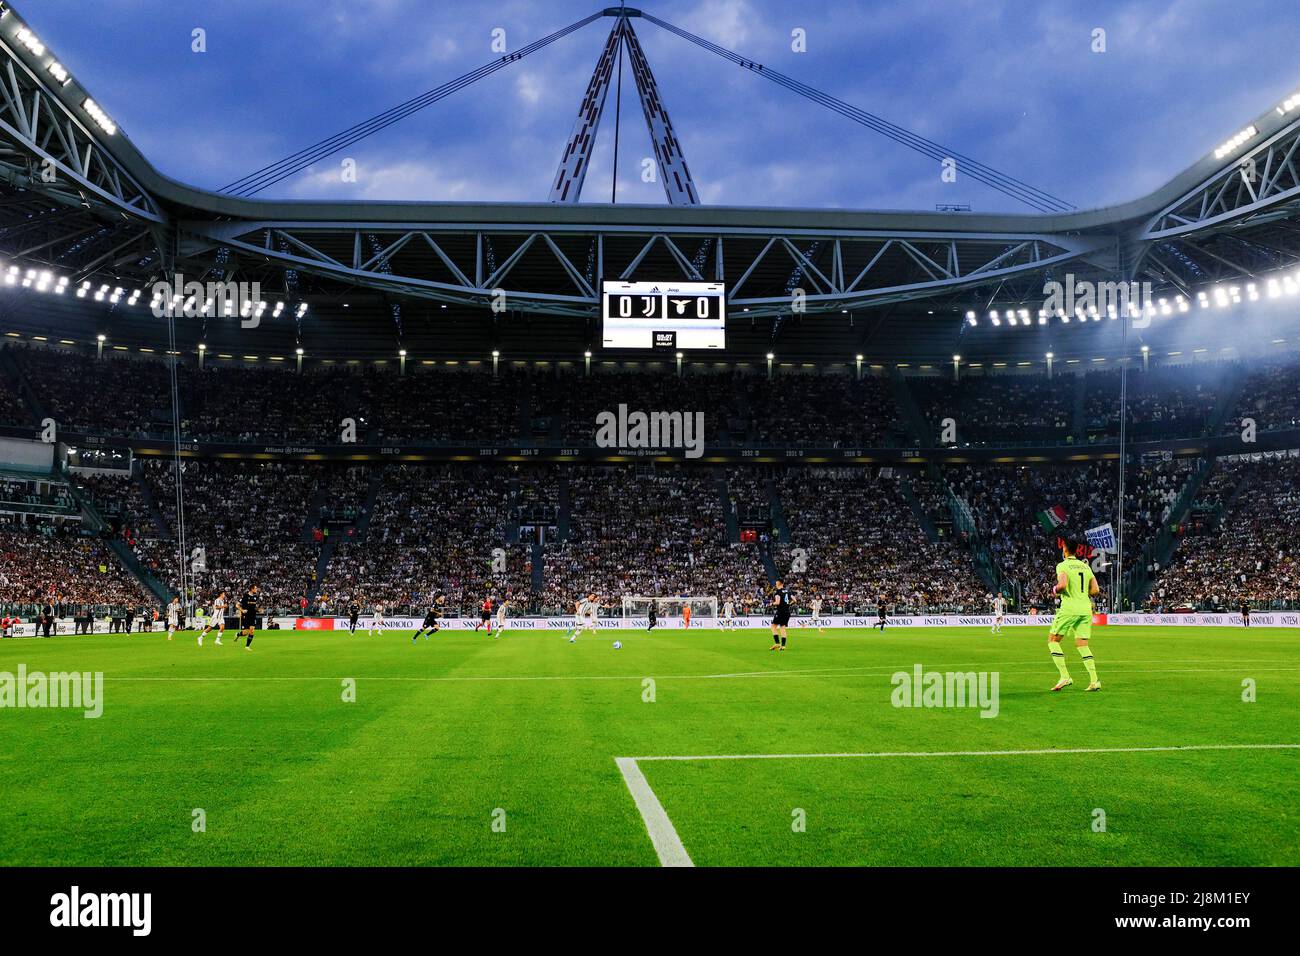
(1052, 517)
(1102, 537)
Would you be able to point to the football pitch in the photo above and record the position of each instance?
(320, 748)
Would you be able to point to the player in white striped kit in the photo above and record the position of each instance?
(377, 620)
(586, 617)
(218, 619)
(173, 616)
(999, 609)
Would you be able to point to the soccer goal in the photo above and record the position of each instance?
(638, 605)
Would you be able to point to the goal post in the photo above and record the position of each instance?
(638, 605)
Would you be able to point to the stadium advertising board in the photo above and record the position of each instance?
(66, 626)
(565, 622)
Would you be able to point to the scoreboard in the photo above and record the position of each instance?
(673, 315)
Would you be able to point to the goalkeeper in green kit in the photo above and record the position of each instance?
(1076, 585)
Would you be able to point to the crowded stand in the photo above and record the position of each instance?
(228, 402)
(46, 562)
(12, 409)
(1241, 549)
(395, 535)
(828, 411)
(433, 531)
(855, 543)
(577, 400)
(433, 407)
(999, 410)
(1270, 397)
(656, 532)
(248, 519)
(1009, 504)
(1170, 402)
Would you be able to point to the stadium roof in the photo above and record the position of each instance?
(78, 198)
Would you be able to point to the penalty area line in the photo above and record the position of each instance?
(663, 835)
(668, 845)
(973, 753)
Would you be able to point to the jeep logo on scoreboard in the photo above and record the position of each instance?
(663, 315)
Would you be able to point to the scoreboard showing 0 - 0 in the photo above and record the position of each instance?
(664, 315)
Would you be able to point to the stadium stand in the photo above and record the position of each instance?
(858, 541)
(1238, 548)
(396, 534)
(433, 530)
(42, 561)
(1020, 409)
(650, 532)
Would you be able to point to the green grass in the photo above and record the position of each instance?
(444, 733)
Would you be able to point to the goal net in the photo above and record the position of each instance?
(638, 605)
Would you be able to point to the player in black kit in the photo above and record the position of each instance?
(430, 625)
(882, 614)
(652, 617)
(1245, 614)
(780, 616)
(248, 615)
(354, 611)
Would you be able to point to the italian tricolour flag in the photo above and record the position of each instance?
(1052, 517)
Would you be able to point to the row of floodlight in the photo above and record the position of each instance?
(46, 281)
(31, 42)
(1219, 297)
(180, 304)
(1244, 136)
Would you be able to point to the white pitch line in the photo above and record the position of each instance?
(543, 677)
(667, 844)
(975, 753)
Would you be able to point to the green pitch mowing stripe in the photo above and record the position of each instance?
(469, 751)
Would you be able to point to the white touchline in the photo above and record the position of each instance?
(671, 852)
(667, 844)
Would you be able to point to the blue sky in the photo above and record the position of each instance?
(1013, 83)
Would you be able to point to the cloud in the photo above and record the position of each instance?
(529, 88)
(724, 22)
(1011, 84)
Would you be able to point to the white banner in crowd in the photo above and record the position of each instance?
(1102, 537)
